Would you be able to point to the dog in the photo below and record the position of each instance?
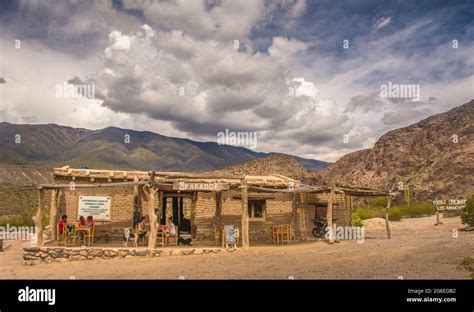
(129, 235)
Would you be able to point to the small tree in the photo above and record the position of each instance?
(467, 213)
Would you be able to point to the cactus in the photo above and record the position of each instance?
(407, 195)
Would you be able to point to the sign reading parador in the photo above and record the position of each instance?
(96, 206)
(198, 186)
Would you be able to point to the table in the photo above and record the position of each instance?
(87, 230)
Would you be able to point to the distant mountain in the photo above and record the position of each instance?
(433, 157)
(112, 147)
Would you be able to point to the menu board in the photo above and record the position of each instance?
(230, 234)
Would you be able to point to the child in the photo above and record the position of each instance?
(90, 221)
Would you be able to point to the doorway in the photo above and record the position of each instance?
(178, 208)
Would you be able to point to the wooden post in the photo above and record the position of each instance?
(152, 216)
(387, 224)
(37, 218)
(245, 216)
(151, 212)
(294, 216)
(53, 212)
(329, 214)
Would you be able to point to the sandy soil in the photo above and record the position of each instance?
(417, 250)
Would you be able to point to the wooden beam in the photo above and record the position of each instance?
(53, 212)
(245, 216)
(37, 219)
(329, 215)
(387, 224)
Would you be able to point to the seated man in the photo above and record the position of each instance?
(141, 231)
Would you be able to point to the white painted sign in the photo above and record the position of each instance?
(449, 204)
(96, 206)
(197, 186)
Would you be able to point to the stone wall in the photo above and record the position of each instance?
(36, 255)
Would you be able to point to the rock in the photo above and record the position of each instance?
(198, 252)
(175, 253)
(83, 253)
(56, 255)
(140, 253)
(29, 257)
(32, 249)
(74, 258)
(376, 223)
(96, 253)
(187, 252)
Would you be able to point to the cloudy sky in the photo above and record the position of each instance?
(305, 75)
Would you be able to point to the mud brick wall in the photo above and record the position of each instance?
(278, 212)
(306, 211)
(205, 215)
(122, 203)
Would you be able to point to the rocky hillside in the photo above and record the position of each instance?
(433, 157)
(275, 164)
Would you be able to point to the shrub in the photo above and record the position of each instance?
(356, 220)
(380, 201)
(25, 219)
(395, 214)
(467, 213)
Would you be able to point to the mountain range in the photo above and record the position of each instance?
(36, 146)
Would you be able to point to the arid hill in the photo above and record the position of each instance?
(434, 157)
(275, 164)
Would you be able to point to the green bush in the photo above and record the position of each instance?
(467, 213)
(25, 219)
(380, 201)
(356, 220)
(395, 213)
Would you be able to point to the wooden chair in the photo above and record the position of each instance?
(274, 234)
(161, 236)
(61, 238)
(285, 234)
(176, 237)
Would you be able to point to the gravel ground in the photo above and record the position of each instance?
(417, 250)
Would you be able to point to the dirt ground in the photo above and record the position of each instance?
(417, 250)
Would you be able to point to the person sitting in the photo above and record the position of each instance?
(90, 221)
(82, 221)
(171, 227)
(141, 232)
(61, 224)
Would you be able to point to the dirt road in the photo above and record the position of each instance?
(417, 250)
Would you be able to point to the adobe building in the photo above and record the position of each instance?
(199, 203)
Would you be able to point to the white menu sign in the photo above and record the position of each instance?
(96, 206)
